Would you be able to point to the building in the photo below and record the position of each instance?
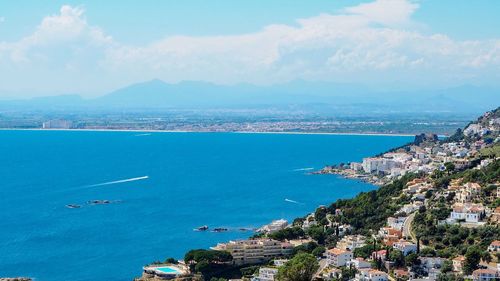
(274, 226)
(485, 275)
(381, 254)
(56, 124)
(255, 250)
(405, 247)
(458, 263)
(467, 212)
(371, 275)
(266, 274)
(494, 246)
(338, 257)
(358, 263)
(432, 266)
(331, 273)
(396, 223)
(351, 242)
(401, 274)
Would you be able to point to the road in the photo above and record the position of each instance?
(407, 228)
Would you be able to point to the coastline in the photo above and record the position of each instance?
(228, 132)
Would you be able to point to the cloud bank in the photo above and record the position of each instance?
(372, 43)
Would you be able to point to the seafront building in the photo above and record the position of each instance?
(254, 251)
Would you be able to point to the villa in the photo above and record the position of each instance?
(485, 275)
(371, 275)
(405, 247)
(351, 242)
(266, 274)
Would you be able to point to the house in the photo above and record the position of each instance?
(401, 273)
(405, 247)
(494, 246)
(381, 254)
(266, 274)
(351, 242)
(338, 257)
(472, 213)
(431, 266)
(371, 275)
(331, 273)
(485, 275)
(396, 223)
(458, 263)
(358, 263)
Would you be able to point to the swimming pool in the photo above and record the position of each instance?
(168, 269)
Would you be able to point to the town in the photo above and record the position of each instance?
(434, 217)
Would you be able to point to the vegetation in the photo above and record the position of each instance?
(300, 268)
(370, 210)
(287, 234)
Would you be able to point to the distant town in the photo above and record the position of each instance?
(225, 120)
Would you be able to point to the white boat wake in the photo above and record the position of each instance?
(142, 135)
(292, 201)
(304, 169)
(117, 181)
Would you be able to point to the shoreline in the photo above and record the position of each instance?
(214, 132)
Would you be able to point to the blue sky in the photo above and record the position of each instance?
(91, 47)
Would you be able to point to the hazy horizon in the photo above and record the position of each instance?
(90, 49)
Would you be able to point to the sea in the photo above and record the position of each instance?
(160, 187)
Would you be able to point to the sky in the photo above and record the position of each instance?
(93, 47)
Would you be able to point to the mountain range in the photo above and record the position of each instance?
(319, 97)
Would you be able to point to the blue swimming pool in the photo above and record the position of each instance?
(168, 269)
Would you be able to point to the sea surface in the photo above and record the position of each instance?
(163, 185)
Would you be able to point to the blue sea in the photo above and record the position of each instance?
(162, 186)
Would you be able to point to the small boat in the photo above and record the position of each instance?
(73, 206)
(219, 229)
(201, 228)
(98, 202)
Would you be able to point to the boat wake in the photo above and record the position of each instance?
(292, 201)
(117, 182)
(303, 169)
(142, 135)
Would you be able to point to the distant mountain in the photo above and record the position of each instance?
(316, 97)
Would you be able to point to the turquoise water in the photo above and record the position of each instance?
(160, 187)
(167, 269)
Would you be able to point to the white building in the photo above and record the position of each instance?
(266, 274)
(405, 247)
(371, 275)
(358, 263)
(274, 226)
(338, 257)
(396, 223)
(469, 212)
(351, 242)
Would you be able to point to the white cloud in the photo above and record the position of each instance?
(386, 12)
(2, 19)
(368, 43)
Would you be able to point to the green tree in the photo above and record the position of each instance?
(412, 259)
(300, 268)
(318, 251)
(472, 258)
(447, 266)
